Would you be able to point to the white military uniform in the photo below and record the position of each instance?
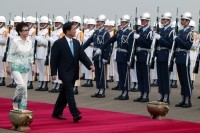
(3, 40)
(193, 55)
(31, 37)
(41, 53)
(55, 35)
(80, 37)
(89, 51)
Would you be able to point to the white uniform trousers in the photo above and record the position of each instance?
(116, 75)
(88, 73)
(133, 75)
(2, 68)
(43, 70)
(173, 74)
(154, 72)
(20, 95)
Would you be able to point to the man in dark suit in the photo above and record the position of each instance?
(65, 56)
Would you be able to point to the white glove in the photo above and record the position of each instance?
(104, 61)
(129, 63)
(136, 36)
(175, 37)
(98, 52)
(37, 38)
(157, 36)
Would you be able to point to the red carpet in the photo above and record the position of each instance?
(95, 121)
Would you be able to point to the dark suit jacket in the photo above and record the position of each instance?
(64, 62)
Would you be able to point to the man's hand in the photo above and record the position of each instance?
(92, 68)
(98, 52)
(53, 77)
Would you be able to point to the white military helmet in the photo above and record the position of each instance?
(192, 23)
(166, 15)
(30, 19)
(173, 24)
(85, 21)
(101, 17)
(2, 19)
(125, 18)
(112, 23)
(44, 19)
(107, 22)
(76, 19)
(91, 21)
(186, 15)
(11, 23)
(118, 22)
(145, 16)
(59, 19)
(17, 19)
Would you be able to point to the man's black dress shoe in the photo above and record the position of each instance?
(77, 118)
(60, 117)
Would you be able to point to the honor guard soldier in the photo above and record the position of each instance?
(110, 71)
(124, 46)
(193, 51)
(99, 37)
(89, 50)
(165, 40)
(30, 21)
(42, 40)
(55, 35)
(154, 75)
(3, 41)
(13, 34)
(144, 41)
(133, 73)
(76, 20)
(184, 42)
(173, 74)
(116, 75)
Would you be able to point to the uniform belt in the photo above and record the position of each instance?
(146, 49)
(184, 50)
(2, 44)
(161, 48)
(122, 50)
(41, 45)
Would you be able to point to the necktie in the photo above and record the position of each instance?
(72, 47)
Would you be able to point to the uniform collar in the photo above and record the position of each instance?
(144, 28)
(186, 28)
(166, 26)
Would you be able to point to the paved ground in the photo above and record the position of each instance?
(83, 99)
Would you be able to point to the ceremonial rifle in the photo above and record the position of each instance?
(133, 50)
(8, 40)
(154, 43)
(36, 33)
(172, 52)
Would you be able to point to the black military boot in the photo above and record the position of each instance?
(84, 85)
(40, 86)
(90, 84)
(75, 90)
(2, 81)
(139, 98)
(30, 85)
(145, 98)
(12, 85)
(161, 97)
(187, 103)
(166, 98)
(54, 87)
(174, 84)
(181, 103)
